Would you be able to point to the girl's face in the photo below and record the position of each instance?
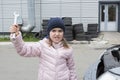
(56, 35)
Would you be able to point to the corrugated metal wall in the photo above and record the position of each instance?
(81, 11)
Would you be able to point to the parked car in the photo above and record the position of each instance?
(107, 67)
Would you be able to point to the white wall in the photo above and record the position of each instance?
(89, 13)
(81, 11)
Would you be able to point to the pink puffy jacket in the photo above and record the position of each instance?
(54, 63)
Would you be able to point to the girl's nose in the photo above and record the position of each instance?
(57, 33)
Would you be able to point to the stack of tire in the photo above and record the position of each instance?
(42, 33)
(69, 29)
(78, 32)
(92, 30)
(44, 26)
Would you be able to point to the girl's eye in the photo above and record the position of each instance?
(53, 30)
(60, 30)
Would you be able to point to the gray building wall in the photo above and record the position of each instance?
(81, 11)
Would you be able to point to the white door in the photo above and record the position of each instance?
(108, 17)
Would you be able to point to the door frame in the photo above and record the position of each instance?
(107, 25)
(110, 2)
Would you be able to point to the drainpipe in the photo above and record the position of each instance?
(31, 17)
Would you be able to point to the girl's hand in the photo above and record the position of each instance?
(14, 29)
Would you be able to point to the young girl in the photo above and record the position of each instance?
(55, 55)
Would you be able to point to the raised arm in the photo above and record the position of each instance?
(24, 49)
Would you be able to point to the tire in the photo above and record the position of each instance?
(68, 32)
(67, 23)
(38, 35)
(67, 20)
(92, 27)
(45, 27)
(68, 37)
(45, 22)
(81, 37)
(78, 28)
(44, 32)
(68, 28)
(78, 31)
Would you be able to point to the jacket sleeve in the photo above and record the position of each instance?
(26, 49)
(71, 66)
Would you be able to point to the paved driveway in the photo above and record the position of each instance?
(15, 67)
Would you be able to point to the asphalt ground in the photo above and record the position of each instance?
(15, 67)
